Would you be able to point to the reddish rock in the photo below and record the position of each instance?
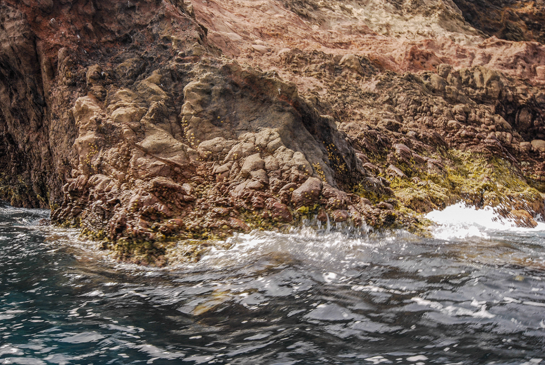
(120, 113)
(308, 193)
(322, 216)
(280, 212)
(340, 215)
(258, 202)
(238, 224)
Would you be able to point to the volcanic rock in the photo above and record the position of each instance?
(308, 193)
(159, 121)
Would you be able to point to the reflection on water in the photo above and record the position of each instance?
(301, 298)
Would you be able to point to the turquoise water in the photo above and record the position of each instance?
(301, 298)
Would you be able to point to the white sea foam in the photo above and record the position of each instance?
(304, 244)
(460, 221)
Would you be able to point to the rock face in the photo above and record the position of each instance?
(150, 122)
(507, 19)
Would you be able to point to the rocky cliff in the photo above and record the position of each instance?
(151, 122)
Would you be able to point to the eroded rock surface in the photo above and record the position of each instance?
(150, 122)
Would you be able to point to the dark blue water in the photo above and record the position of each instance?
(301, 298)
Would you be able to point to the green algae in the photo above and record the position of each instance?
(476, 179)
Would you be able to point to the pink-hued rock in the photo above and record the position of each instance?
(169, 119)
(308, 193)
(280, 212)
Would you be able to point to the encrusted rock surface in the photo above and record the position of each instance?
(153, 122)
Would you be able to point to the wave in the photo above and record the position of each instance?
(460, 221)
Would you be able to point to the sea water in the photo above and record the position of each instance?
(473, 294)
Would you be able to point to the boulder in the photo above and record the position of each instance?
(236, 223)
(403, 151)
(395, 172)
(252, 163)
(523, 219)
(279, 211)
(538, 145)
(308, 193)
(340, 215)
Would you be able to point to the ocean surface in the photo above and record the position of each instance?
(473, 294)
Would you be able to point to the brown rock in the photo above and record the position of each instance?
(340, 215)
(255, 185)
(280, 212)
(322, 216)
(396, 172)
(384, 205)
(308, 193)
(289, 187)
(238, 224)
(369, 166)
(356, 216)
(106, 125)
(260, 175)
(538, 145)
(221, 211)
(258, 202)
(525, 146)
(523, 219)
(336, 199)
(403, 151)
(252, 163)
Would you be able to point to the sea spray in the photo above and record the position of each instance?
(460, 221)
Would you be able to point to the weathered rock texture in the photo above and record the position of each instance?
(149, 122)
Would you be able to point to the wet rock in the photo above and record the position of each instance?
(322, 216)
(336, 199)
(279, 211)
(238, 224)
(356, 216)
(523, 219)
(114, 130)
(340, 215)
